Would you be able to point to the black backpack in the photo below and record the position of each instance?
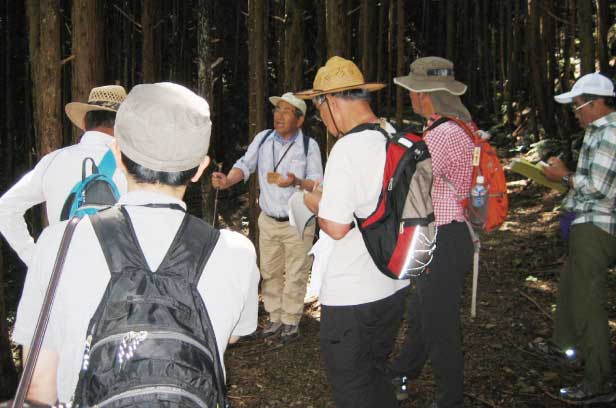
(400, 234)
(150, 342)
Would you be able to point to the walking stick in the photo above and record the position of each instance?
(219, 165)
(41, 324)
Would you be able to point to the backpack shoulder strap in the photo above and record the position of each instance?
(306, 143)
(464, 126)
(267, 135)
(117, 239)
(198, 239)
(370, 126)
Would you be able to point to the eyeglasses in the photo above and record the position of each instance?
(318, 102)
(577, 108)
(284, 111)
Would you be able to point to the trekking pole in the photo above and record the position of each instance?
(219, 165)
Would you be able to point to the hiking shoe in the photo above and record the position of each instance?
(555, 353)
(289, 333)
(401, 386)
(579, 393)
(270, 329)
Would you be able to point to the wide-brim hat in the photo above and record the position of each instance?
(590, 84)
(290, 99)
(430, 74)
(102, 98)
(338, 75)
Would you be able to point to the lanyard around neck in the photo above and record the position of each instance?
(283, 155)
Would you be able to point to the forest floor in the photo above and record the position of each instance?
(519, 270)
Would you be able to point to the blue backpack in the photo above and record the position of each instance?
(93, 192)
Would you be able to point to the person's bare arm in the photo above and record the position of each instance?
(224, 181)
(43, 387)
(334, 229)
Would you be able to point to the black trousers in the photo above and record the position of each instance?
(433, 317)
(356, 342)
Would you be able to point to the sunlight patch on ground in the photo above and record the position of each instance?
(540, 285)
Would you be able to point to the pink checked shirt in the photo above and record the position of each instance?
(452, 157)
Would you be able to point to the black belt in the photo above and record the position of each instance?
(279, 219)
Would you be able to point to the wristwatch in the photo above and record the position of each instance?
(565, 180)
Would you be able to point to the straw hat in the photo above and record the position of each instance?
(338, 75)
(102, 98)
(430, 74)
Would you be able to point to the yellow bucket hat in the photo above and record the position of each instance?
(338, 75)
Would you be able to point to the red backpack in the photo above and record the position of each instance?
(487, 164)
(400, 234)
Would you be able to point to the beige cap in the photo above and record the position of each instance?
(338, 75)
(430, 74)
(102, 98)
(164, 127)
(289, 98)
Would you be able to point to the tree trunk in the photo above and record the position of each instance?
(148, 19)
(8, 373)
(391, 38)
(336, 23)
(587, 42)
(205, 88)
(537, 59)
(87, 67)
(401, 64)
(380, 54)
(257, 86)
(44, 40)
(603, 26)
(293, 49)
(366, 28)
(451, 30)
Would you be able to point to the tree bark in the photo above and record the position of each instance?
(257, 86)
(587, 42)
(44, 41)
(293, 49)
(336, 23)
(86, 46)
(400, 65)
(366, 28)
(8, 373)
(381, 47)
(603, 26)
(148, 19)
(205, 88)
(451, 30)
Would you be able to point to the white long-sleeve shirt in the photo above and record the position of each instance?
(50, 181)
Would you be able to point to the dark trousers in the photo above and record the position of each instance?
(433, 317)
(581, 319)
(356, 342)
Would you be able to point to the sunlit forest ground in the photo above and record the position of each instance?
(519, 270)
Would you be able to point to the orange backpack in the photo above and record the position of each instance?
(487, 164)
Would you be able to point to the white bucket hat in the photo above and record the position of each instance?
(591, 84)
(164, 127)
(289, 98)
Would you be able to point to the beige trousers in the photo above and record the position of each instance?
(285, 265)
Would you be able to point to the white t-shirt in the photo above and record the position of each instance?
(228, 284)
(50, 181)
(352, 184)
